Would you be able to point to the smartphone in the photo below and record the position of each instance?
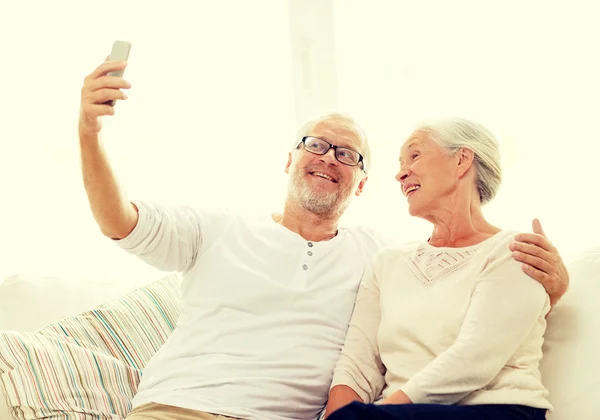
(120, 52)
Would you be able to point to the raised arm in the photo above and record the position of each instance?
(167, 238)
(113, 212)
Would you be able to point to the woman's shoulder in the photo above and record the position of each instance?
(396, 252)
(401, 248)
(499, 243)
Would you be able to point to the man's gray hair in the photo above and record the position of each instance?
(341, 120)
(455, 133)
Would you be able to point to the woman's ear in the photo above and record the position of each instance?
(465, 160)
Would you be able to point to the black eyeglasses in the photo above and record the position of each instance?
(342, 154)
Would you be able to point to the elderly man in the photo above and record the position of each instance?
(266, 301)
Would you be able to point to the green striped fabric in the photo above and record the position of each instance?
(88, 366)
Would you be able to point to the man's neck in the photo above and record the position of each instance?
(310, 226)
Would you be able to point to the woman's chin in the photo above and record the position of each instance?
(415, 210)
(412, 210)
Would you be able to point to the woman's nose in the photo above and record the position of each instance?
(401, 175)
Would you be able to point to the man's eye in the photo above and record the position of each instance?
(414, 156)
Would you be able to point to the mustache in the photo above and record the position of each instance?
(325, 169)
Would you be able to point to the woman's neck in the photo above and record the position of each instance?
(456, 229)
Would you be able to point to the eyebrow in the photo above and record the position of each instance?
(413, 143)
(343, 147)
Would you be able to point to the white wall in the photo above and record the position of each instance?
(213, 81)
(528, 70)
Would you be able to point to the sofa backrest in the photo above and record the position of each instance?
(571, 364)
(29, 302)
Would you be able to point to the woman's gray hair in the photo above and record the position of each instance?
(455, 133)
(345, 121)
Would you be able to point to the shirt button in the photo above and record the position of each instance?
(309, 253)
(305, 267)
(310, 244)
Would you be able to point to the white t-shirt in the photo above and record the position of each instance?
(264, 312)
(447, 326)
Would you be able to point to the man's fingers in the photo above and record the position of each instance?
(537, 227)
(103, 95)
(540, 276)
(98, 89)
(107, 82)
(531, 249)
(536, 262)
(535, 239)
(97, 110)
(106, 68)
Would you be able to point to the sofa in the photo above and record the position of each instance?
(74, 349)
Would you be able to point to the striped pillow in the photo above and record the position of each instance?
(88, 366)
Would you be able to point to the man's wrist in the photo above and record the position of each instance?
(398, 397)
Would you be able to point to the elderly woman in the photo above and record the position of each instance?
(451, 328)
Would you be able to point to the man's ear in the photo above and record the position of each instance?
(465, 160)
(361, 185)
(289, 163)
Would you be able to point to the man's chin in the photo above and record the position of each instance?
(319, 203)
(317, 199)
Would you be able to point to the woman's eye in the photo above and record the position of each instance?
(414, 156)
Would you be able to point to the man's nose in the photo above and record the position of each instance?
(329, 156)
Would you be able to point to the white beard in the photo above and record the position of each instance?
(317, 201)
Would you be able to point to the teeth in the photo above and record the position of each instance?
(322, 175)
(414, 187)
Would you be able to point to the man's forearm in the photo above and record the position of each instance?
(113, 212)
(340, 396)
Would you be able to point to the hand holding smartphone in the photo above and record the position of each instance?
(120, 52)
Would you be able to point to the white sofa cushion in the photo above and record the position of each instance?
(571, 364)
(29, 302)
(88, 365)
